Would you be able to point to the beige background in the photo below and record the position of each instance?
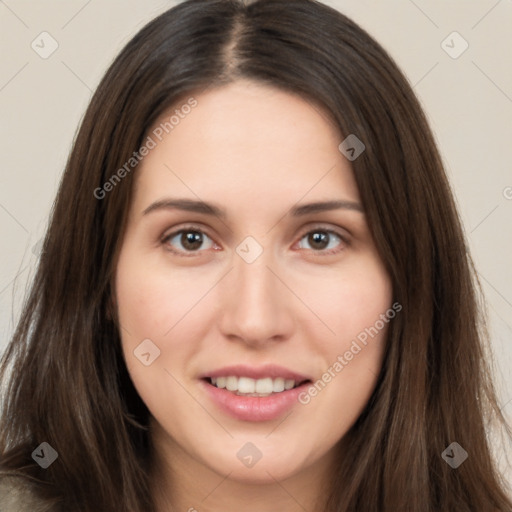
(467, 99)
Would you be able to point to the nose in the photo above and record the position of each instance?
(256, 305)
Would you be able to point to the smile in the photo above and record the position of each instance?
(245, 386)
(254, 394)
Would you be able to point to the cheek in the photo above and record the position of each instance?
(164, 306)
(152, 311)
(146, 312)
(358, 309)
(353, 300)
(152, 299)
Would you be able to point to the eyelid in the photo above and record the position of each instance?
(328, 228)
(187, 227)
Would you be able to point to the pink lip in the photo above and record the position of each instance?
(249, 408)
(269, 370)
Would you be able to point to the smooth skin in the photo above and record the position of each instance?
(256, 152)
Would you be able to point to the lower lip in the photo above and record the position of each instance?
(254, 408)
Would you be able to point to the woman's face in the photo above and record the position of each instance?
(260, 292)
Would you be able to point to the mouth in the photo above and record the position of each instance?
(254, 394)
(247, 386)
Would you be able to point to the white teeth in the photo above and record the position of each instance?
(278, 385)
(264, 386)
(246, 385)
(288, 384)
(232, 383)
(254, 387)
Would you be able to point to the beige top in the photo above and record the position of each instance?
(15, 496)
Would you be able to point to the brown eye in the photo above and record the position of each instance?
(188, 240)
(319, 240)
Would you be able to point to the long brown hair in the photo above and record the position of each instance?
(65, 377)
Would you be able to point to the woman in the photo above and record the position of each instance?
(254, 291)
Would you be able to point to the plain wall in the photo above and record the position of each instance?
(467, 98)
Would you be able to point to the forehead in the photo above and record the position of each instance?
(249, 141)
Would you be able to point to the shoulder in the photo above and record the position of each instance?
(16, 495)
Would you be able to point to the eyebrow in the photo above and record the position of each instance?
(191, 205)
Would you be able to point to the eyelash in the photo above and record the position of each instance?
(195, 229)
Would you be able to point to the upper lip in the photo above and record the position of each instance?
(256, 372)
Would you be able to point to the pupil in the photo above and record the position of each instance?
(319, 239)
(191, 240)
